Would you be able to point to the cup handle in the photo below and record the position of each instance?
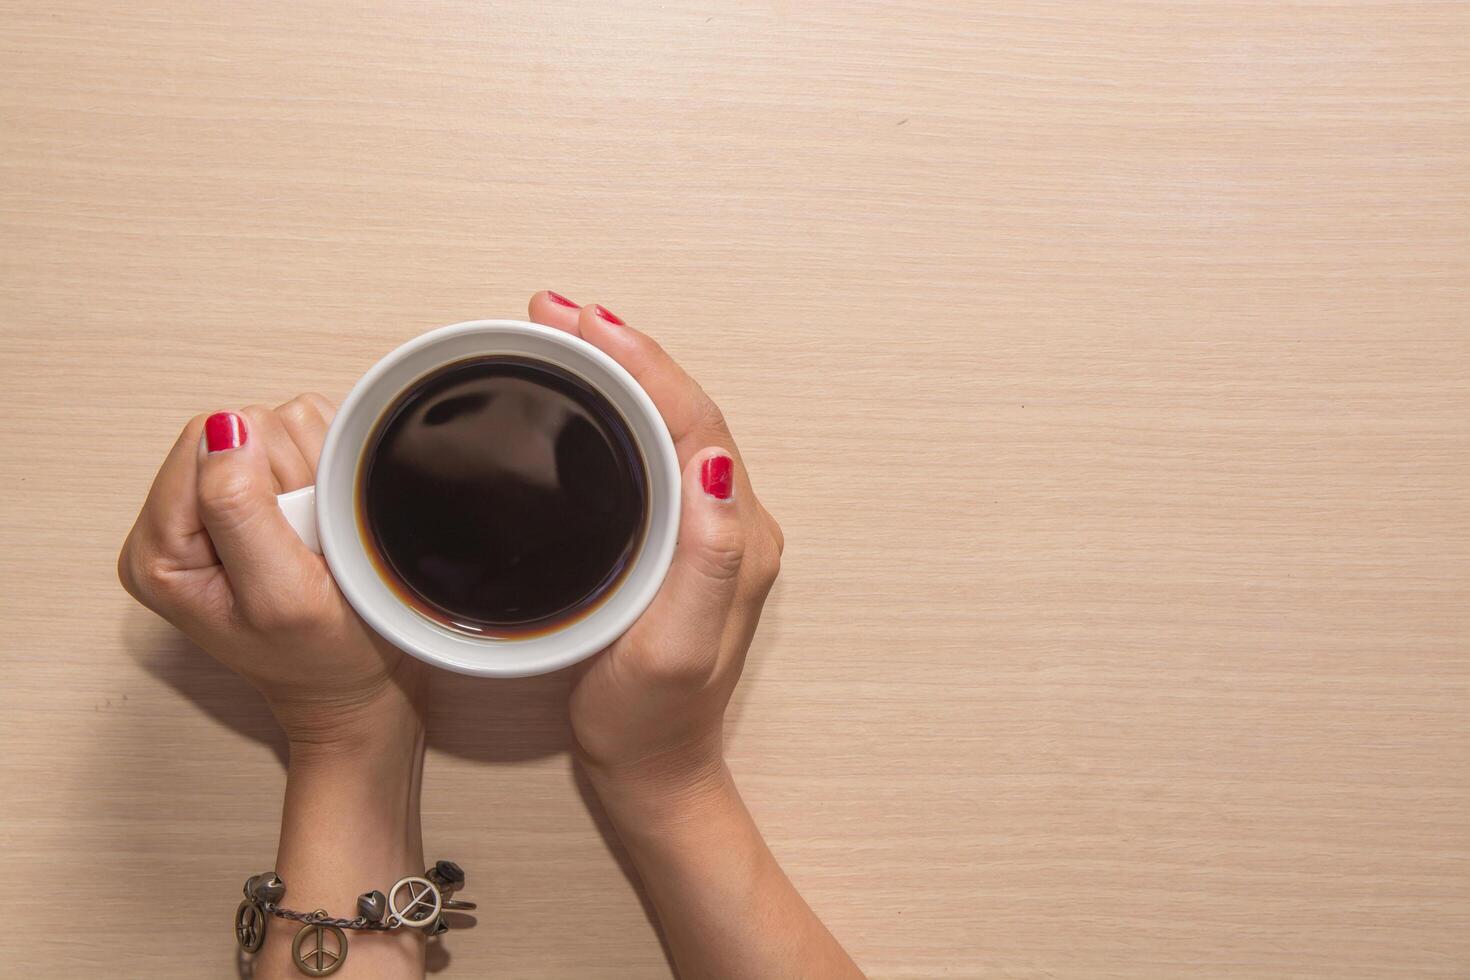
(299, 506)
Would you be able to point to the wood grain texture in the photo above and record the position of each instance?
(1107, 364)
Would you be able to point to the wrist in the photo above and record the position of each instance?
(364, 771)
(664, 791)
(350, 819)
(371, 782)
(371, 742)
(350, 824)
(376, 726)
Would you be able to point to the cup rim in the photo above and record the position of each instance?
(602, 625)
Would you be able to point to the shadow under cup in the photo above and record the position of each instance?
(498, 498)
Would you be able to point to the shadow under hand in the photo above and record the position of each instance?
(484, 719)
(213, 688)
(767, 637)
(620, 854)
(436, 956)
(499, 720)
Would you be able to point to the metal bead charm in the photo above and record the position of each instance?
(319, 949)
(450, 872)
(447, 875)
(268, 888)
(372, 905)
(250, 885)
(439, 928)
(415, 902)
(250, 920)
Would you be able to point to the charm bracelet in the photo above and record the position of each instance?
(320, 946)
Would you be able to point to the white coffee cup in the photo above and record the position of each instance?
(325, 516)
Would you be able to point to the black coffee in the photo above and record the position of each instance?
(503, 495)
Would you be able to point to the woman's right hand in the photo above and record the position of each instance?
(647, 712)
(212, 553)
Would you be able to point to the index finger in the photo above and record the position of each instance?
(169, 526)
(694, 420)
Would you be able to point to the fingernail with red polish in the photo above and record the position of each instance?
(224, 431)
(717, 476)
(561, 300)
(608, 315)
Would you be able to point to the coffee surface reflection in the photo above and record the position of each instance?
(503, 495)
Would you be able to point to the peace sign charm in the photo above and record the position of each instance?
(319, 948)
(250, 925)
(414, 902)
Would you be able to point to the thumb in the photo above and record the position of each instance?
(683, 626)
(260, 552)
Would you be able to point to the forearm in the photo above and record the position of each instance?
(726, 907)
(350, 824)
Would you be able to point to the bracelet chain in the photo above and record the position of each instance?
(318, 919)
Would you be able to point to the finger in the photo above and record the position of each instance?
(693, 418)
(169, 529)
(681, 630)
(324, 405)
(288, 467)
(304, 422)
(554, 310)
(262, 556)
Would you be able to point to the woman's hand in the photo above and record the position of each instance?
(212, 553)
(647, 712)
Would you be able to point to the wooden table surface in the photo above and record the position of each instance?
(1107, 364)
